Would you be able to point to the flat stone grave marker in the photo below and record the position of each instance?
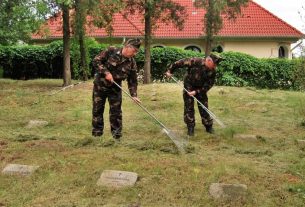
(227, 191)
(117, 179)
(36, 123)
(16, 169)
(246, 137)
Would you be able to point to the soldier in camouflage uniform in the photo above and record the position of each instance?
(199, 78)
(113, 64)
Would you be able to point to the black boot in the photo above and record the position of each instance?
(117, 135)
(190, 131)
(209, 129)
(97, 133)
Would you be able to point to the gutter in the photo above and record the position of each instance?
(297, 45)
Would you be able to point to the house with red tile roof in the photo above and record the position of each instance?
(256, 31)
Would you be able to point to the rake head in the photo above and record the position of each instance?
(178, 141)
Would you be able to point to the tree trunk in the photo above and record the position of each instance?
(209, 27)
(83, 54)
(66, 45)
(208, 45)
(80, 22)
(147, 42)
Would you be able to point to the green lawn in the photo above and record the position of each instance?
(71, 161)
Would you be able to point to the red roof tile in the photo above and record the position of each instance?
(254, 21)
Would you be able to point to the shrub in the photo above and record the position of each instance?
(299, 74)
(161, 58)
(238, 69)
(31, 61)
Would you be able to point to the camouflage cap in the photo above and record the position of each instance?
(216, 58)
(136, 43)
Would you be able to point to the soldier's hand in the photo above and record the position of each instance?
(108, 77)
(136, 99)
(168, 74)
(192, 93)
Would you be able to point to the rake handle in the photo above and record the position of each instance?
(166, 130)
(142, 107)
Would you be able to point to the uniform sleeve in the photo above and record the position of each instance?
(99, 62)
(132, 79)
(186, 62)
(208, 83)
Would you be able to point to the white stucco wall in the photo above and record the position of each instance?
(258, 49)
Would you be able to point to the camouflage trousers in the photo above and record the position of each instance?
(189, 111)
(114, 95)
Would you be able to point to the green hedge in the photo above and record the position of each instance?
(29, 62)
(238, 69)
(161, 58)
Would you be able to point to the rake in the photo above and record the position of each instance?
(203, 106)
(179, 142)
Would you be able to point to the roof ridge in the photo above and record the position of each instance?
(283, 21)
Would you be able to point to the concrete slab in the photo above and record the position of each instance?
(227, 191)
(16, 169)
(117, 179)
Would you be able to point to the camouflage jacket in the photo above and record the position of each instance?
(121, 68)
(198, 77)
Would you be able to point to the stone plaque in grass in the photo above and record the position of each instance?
(117, 179)
(246, 137)
(16, 169)
(36, 123)
(227, 191)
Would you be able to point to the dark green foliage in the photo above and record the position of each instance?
(299, 74)
(76, 57)
(29, 62)
(161, 58)
(20, 18)
(32, 61)
(238, 69)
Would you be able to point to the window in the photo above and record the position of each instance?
(158, 46)
(193, 48)
(218, 49)
(282, 52)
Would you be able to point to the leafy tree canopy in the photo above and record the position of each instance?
(19, 18)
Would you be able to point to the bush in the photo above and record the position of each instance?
(76, 59)
(299, 74)
(238, 69)
(29, 62)
(161, 58)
